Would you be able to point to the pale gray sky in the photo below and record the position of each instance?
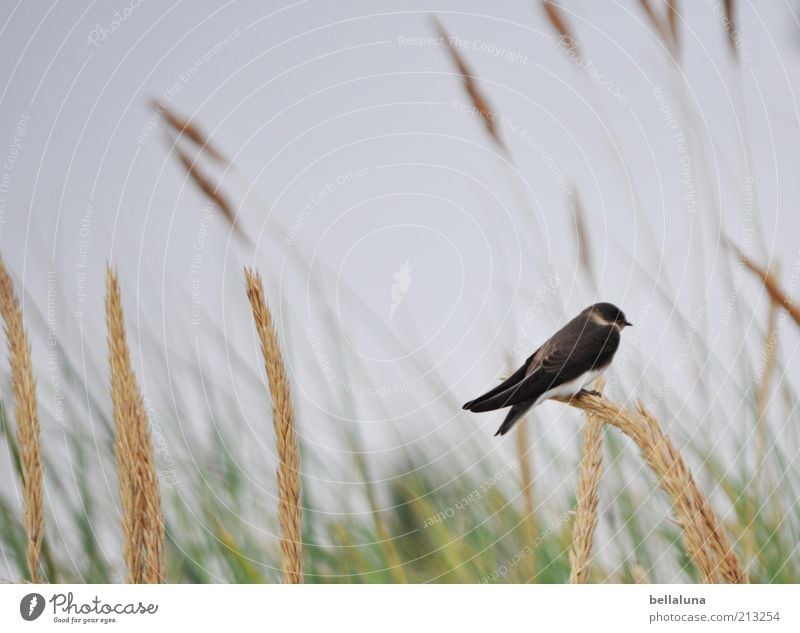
(345, 123)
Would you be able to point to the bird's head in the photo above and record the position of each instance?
(608, 314)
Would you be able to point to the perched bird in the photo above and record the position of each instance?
(568, 361)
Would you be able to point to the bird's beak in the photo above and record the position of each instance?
(628, 323)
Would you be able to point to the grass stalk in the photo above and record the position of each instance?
(730, 27)
(706, 542)
(673, 20)
(478, 98)
(639, 575)
(27, 419)
(211, 191)
(587, 494)
(555, 16)
(773, 288)
(142, 518)
(524, 453)
(395, 564)
(187, 128)
(763, 395)
(289, 513)
(658, 22)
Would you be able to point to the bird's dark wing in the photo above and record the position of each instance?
(509, 382)
(579, 346)
(527, 388)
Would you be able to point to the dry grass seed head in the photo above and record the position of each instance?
(185, 127)
(705, 540)
(142, 517)
(27, 420)
(289, 513)
(587, 495)
(555, 15)
(479, 101)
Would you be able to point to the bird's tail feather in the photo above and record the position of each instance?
(513, 380)
(512, 395)
(490, 403)
(514, 414)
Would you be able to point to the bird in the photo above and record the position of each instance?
(565, 363)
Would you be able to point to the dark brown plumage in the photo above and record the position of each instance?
(568, 361)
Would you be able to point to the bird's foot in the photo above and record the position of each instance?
(590, 392)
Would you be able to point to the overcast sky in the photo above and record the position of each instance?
(365, 182)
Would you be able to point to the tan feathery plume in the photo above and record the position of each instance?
(587, 495)
(289, 513)
(582, 235)
(728, 564)
(27, 419)
(211, 191)
(554, 15)
(772, 286)
(479, 101)
(657, 22)
(185, 127)
(142, 518)
(675, 479)
(673, 19)
(706, 542)
(730, 26)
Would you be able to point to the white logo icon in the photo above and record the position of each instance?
(402, 282)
